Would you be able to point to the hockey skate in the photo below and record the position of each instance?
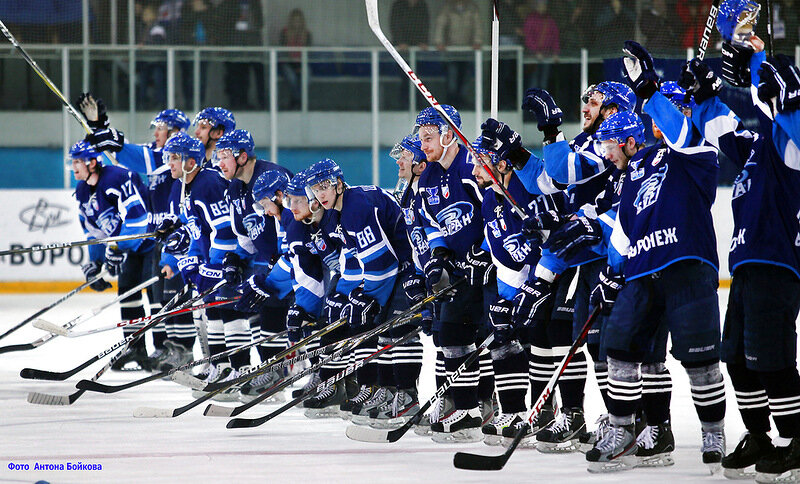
(616, 451)
(155, 359)
(540, 421)
(443, 409)
(656, 444)
(493, 431)
(260, 384)
(393, 414)
(489, 408)
(230, 394)
(364, 394)
(312, 383)
(134, 359)
(360, 412)
(751, 449)
(215, 373)
(561, 436)
(176, 355)
(326, 403)
(587, 438)
(462, 426)
(780, 465)
(713, 450)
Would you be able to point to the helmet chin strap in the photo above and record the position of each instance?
(445, 146)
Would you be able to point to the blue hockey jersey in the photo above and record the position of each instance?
(147, 160)
(410, 204)
(307, 267)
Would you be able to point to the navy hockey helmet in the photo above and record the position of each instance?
(325, 169)
(82, 150)
(431, 116)
(171, 118)
(219, 117)
(413, 145)
(737, 18)
(237, 141)
(476, 145)
(619, 126)
(677, 95)
(187, 147)
(268, 184)
(297, 185)
(612, 92)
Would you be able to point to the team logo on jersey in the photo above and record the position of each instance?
(742, 183)
(108, 221)
(419, 241)
(408, 215)
(659, 155)
(636, 172)
(320, 243)
(650, 189)
(433, 195)
(445, 191)
(455, 217)
(516, 248)
(495, 229)
(254, 224)
(154, 180)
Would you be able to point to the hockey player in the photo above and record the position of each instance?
(112, 202)
(371, 227)
(174, 338)
(663, 266)
(453, 225)
(211, 124)
(258, 233)
(759, 337)
(200, 244)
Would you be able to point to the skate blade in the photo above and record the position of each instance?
(492, 440)
(360, 420)
(624, 463)
(345, 415)
(714, 467)
(525, 443)
(317, 413)
(558, 447)
(659, 460)
(277, 398)
(463, 436)
(743, 474)
(226, 397)
(789, 476)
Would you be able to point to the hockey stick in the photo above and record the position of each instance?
(477, 462)
(237, 423)
(63, 329)
(63, 298)
(495, 60)
(93, 386)
(215, 388)
(78, 243)
(369, 434)
(769, 28)
(48, 399)
(333, 350)
(50, 85)
(374, 24)
(34, 374)
(708, 29)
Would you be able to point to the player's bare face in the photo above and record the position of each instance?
(161, 135)
(271, 208)
(202, 131)
(299, 207)
(80, 170)
(431, 144)
(483, 179)
(175, 162)
(404, 164)
(591, 110)
(325, 193)
(613, 151)
(227, 163)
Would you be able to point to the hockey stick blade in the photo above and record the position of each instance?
(34, 374)
(45, 325)
(218, 411)
(185, 379)
(47, 399)
(20, 347)
(151, 412)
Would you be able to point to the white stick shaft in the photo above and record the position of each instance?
(495, 62)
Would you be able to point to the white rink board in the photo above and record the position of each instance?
(46, 216)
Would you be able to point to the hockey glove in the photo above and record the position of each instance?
(94, 110)
(414, 287)
(189, 268)
(334, 306)
(361, 310)
(533, 227)
(779, 79)
(504, 141)
(736, 64)
(575, 235)
(638, 69)
(699, 80)
(232, 268)
(438, 271)
(426, 320)
(298, 323)
(208, 276)
(500, 317)
(108, 139)
(605, 292)
(478, 267)
(168, 225)
(90, 271)
(178, 242)
(114, 260)
(548, 115)
(533, 302)
(254, 294)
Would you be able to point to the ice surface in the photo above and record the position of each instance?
(100, 428)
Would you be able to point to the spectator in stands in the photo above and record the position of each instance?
(151, 75)
(614, 23)
(458, 24)
(410, 24)
(693, 15)
(542, 42)
(43, 21)
(657, 24)
(294, 34)
(243, 21)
